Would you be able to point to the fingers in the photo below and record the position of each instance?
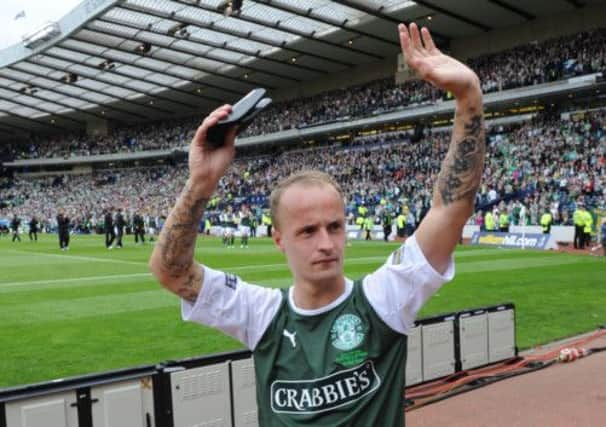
(230, 137)
(427, 40)
(413, 41)
(415, 37)
(211, 120)
(405, 41)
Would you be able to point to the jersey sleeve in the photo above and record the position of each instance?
(398, 289)
(237, 308)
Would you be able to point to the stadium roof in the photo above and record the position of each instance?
(134, 60)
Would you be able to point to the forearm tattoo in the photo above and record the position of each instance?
(462, 168)
(177, 241)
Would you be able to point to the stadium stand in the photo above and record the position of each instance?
(384, 171)
(546, 142)
(526, 65)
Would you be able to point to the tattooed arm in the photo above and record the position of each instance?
(172, 261)
(459, 177)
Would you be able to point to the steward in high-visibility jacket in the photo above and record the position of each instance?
(546, 221)
(587, 227)
(504, 222)
(362, 211)
(368, 225)
(266, 220)
(578, 217)
(489, 221)
(360, 222)
(207, 226)
(401, 225)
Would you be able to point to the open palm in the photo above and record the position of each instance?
(431, 65)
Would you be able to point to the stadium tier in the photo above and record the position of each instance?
(498, 160)
(546, 163)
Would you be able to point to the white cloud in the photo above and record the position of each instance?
(37, 12)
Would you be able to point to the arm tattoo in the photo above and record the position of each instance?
(190, 288)
(177, 241)
(462, 168)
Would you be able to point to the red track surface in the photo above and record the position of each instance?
(565, 394)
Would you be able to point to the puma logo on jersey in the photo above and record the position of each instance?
(291, 337)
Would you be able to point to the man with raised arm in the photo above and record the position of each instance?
(329, 351)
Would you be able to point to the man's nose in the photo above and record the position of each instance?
(324, 240)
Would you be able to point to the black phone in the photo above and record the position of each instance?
(242, 114)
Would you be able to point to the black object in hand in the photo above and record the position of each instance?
(242, 114)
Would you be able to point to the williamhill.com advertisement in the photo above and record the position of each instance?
(511, 240)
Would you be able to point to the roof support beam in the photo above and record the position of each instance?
(378, 13)
(29, 119)
(123, 74)
(13, 126)
(524, 14)
(454, 15)
(222, 46)
(340, 25)
(277, 26)
(247, 68)
(576, 3)
(241, 34)
(50, 101)
(88, 89)
(168, 61)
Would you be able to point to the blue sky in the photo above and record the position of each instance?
(37, 12)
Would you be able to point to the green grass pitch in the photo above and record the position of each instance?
(92, 310)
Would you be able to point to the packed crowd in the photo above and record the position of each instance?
(547, 163)
(525, 65)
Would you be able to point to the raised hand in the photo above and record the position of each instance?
(207, 164)
(431, 65)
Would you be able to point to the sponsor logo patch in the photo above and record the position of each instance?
(351, 358)
(231, 281)
(324, 394)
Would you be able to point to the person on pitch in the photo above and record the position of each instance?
(329, 351)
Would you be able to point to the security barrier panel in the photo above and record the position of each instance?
(124, 404)
(55, 410)
(197, 391)
(414, 357)
(437, 335)
(473, 339)
(501, 333)
(219, 390)
(201, 396)
(244, 393)
(71, 402)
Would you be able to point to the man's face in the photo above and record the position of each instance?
(311, 232)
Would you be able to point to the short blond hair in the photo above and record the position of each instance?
(304, 177)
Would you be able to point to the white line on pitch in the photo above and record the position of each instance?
(83, 258)
(73, 279)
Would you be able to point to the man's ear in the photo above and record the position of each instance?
(276, 235)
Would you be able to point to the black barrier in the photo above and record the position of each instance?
(84, 403)
(2, 415)
(73, 383)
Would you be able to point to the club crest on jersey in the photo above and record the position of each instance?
(347, 332)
